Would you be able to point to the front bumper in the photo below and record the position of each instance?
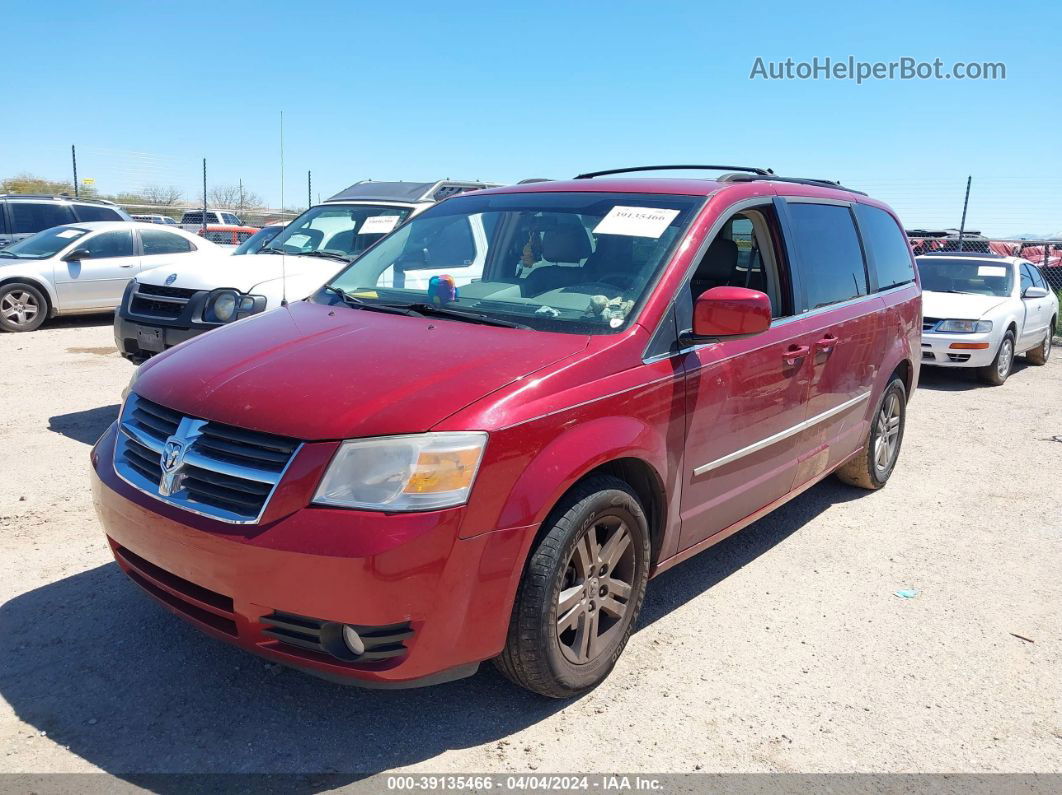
(129, 337)
(371, 570)
(937, 350)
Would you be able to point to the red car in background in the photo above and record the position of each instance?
(226, 235)
(387, 486)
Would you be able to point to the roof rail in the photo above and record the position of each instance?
(819, 183)
(752, 170)
(58, 196)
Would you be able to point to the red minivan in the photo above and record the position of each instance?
(387, 486)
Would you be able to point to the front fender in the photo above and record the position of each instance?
(575, 451)
(38, 281)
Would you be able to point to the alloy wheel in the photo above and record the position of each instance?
(1006, 357)
(886, 443)
(19, 307)
(595, 593)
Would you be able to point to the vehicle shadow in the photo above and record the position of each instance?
(84, 426)
(79, 321)
(960, 379)
(124, 684)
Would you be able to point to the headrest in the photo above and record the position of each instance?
(719, 261)
(565, 245)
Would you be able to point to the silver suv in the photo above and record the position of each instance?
(24, 214)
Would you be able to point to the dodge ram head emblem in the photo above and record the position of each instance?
(171, 279)
(171, 459)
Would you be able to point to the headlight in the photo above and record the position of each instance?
(966, 326)
(222, 305)
(419, 472)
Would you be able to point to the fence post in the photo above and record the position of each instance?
(73, 158)
(965, 204)
(204, 225)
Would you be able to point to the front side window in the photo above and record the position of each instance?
(829, 257)
(1038, 277)
(118, 243)
(886, 246)
(343, 229)
(967, 275)
(1026, 278)
(89, 212)
(568, 262)
(230, 219)
(156, 241)
(31, 217)
(44, 244)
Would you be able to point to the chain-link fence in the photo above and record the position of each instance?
(1046, 254)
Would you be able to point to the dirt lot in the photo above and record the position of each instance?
(782, 649)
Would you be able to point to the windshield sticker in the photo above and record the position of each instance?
(366, 294)
(378, 225)
(635, 222)
(70, 233)
(991, 270)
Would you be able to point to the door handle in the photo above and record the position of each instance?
(794, 353)
(826, 344)
(130, 265)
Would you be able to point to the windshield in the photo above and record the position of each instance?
(569, 262)
(954, 275)
(345, 229)
(255, 242)
(44, 244)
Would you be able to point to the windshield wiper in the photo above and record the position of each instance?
(8, 254)
(328, 254)
(359, 303)
(468, 317)
(270, 250)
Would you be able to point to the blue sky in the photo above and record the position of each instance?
(504, 91)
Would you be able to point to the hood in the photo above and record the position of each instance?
(315, 372)
(961, 306)
(241, 273)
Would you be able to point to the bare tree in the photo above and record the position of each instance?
(235, 197)
(162, 195)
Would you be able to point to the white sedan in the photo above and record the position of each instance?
(980, 310)
(84, 267)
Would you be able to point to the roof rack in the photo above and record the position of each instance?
(752, 170)
(56, 196)
(819, 183)
(369, 190)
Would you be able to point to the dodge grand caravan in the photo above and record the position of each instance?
(388, 485)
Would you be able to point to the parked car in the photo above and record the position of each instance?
(259, 240)
(228, 237)
(387, 485)
(22, 214)
(155, 219)
(84, 267)
(299, 259)
(192, 220)
(982, 309)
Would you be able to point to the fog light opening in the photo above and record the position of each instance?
(353, 640)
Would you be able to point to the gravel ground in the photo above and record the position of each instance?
(782, 649)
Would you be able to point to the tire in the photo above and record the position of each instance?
(559, 662)
(1042, 352)
(997, 372)
(866, 470)
(23, 307)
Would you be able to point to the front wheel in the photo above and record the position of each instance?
(581, 593)
(22, 307)
(873, 465)
(997, 372)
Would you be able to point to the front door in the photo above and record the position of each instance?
(97, 279)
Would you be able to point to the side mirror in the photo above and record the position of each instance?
(77, 254)
(1034, 292)
(731, 313)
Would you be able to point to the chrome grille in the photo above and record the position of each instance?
(217, 470)
(930, 323)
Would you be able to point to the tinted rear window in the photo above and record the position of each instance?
(88, 212)
(28, 218)
(886, 246)
(830, 259)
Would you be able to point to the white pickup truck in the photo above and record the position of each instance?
(192, 220)
(165, 306)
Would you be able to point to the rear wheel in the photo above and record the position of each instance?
(997, 372)
(581, 592)
(22, 307)
(873, 466)
(1042, 352)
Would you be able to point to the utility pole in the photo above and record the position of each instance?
(965, 204)
(241, 197)
(73, 158)
(204, 198)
